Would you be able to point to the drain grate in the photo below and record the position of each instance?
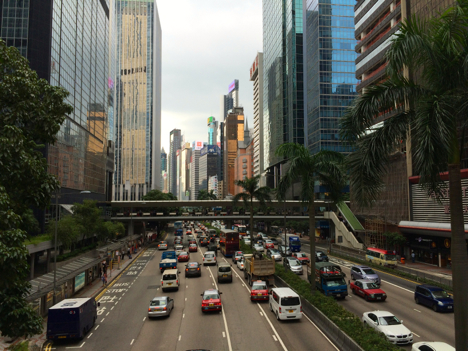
(153, 286)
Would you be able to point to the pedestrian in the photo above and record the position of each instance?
(413, 256)
(128, 252)
(105, 279)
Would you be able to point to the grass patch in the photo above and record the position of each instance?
(37, 239)
(22, 346)
(415, 278)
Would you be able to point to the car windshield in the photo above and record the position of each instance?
(193, 245)
(368, 271)
(301, 255)
(169, 277)
(209, 255)
(274, 252)
(210, 296)
(369, 286)
(239, 254)
(192, 265)
(440, 294)
(290, 301)
(294, 263)
(335, 282)
(259, 286)
(224, 269)
(158, 303)
(389, 320)
(390, 257)
(183, 253)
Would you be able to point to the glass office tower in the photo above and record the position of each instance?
(330, 70)
(138, 99)
(283, 101)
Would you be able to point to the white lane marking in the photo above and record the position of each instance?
(76, 347)
(144, 319)
(89, 335)
(132, 341)
(224, 334)
(116, 302)
(96, 327)
(417, 310)
(157, 289)
(107, 313)
(180, 336)
(123, 294)
(102, 320)
(112, 308)
(186, 286)
(273, 328)
(416, 335)
(336, 348)
(412, 292)
(261, 314)
(120, 298)
(274, 337)
(183, 316)
(185, 299)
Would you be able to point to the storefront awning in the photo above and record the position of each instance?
(428, 228)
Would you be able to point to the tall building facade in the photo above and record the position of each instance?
(233, 133)
(208, 165)
(212, 131)
(213, 185)
(184, 172)
(330, 74)
(175, 142)
(163, 168)
(230, 100)
(256, 76)
(194, 173)
(67, 44)
(283, 98)
(138, 99)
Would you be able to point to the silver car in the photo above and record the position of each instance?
(293, 264)
(209, 258)
(274, 254)
(258, 247)
(162, 245)
(160, 306)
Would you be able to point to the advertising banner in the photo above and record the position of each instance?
(79, 281)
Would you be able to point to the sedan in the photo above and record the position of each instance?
(364, 272)
(237, 256)
(368, 290)
(246, 241)
(386, 323)
(293, 264)
(268, 244)
(259, 291)
(274, 241)
(178, 249)
(160, 306)
(183, 256)
(192, 242)
(284, 250)
(162, 245)
(193, 248)
(203, 242)
(273, 254)
(301, 257)
(192, 269)
(240, 264)
(177, 241)
(258, 247)
(320, 256)
(211, 301)
(432, 346)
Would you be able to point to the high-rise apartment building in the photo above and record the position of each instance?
(233, 133)
(163, 167)
(175, 142)
(213, 185)
(330, 80)
(184, 172)
(71, 51)
(208, 165)
(138, 99)
(283, 98)
(256, 76)
(194, 173)
(212, 131)
(230, 100)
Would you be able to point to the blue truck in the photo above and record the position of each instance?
(329, 279)
(71, 318)
(168, 261)
(294, 244)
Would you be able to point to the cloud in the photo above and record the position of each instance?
(206, 44)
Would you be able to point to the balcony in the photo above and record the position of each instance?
(369, 76)
(369, 45)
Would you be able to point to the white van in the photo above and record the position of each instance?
(285, 304)
(170, 279)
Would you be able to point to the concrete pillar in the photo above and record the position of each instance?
(48, 260)
(130, 228)
(32, 258)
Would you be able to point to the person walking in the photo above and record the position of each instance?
(413, 256)
(105, 279)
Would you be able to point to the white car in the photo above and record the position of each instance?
(386, 323)
(178, 249)
(162, 245)
(258, 247)
(432, 346)
(240, 264)
(246, 240)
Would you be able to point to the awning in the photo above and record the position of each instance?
(428, 228)
(67, 208)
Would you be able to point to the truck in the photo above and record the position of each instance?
(71, 318)
(168, 261)
(294, 243)
(328, 278)
(178, 227)
(259, 268)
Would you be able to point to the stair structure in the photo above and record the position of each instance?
(343, 236)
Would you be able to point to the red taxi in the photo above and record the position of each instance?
(259, 291)
(193, 248)
(368, 290)
(183, 257)
(211, 301)
(301, 257)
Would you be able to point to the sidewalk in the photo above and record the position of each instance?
(91, 290)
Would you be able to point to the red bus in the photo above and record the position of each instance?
(228, 242)
(240, 228)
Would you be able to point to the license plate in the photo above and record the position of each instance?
(169, 283)
(62, 337)
(291, 311)
(211, 305)
(259, 294)
(379, 298)
(450, 307)
(338, 295)
(224, 275)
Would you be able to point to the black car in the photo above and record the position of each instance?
(321, 256)
(192, 269)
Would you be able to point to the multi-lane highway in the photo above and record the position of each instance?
(123, 324)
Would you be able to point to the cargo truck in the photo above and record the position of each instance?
(259, 268)
(168, 261)
(328, 278)
(294, 243)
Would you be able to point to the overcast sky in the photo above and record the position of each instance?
(206, 44)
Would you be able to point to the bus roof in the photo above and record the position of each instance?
(70, 303)
(380, 250)
(228, 231)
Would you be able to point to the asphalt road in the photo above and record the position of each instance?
(123, 324)
(425, 324)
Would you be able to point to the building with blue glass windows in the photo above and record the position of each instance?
(330, 81)
(283, 96)
(212, 131)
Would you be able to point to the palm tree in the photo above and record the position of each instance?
(325, 167)
(252, 191)
(432, 111)
(206, 195)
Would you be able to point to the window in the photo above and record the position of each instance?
(244, 160)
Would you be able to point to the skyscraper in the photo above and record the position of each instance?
(330, 79)
(208, 165)
(163, 167)
(138, 99)
(283, 101)
(175, 141)
(230, 100)
(212, 131)
(194, 173)
(256, 76)
(233, 133)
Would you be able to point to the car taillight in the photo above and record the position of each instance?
(198, 268)
(203, 258)
(215, 258)
(186, 269)
(301, 308)
(165, 308)
(265, 294)
(149, 309)
(162, 283)
(177, 281)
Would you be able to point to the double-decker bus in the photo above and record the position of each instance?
(228, 242)
(240, 228)
(381, 257)
(178, 228)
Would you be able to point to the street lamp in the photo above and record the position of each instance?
(55, 236)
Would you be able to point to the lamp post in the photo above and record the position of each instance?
(55, 236)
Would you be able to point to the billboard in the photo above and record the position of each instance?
(210, 120)
(232, 86)
(197, 145)
(209, 149)
(79, 281)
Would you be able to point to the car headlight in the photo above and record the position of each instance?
(390, 336)
(440, 303)
(384, 294)
(410, 335)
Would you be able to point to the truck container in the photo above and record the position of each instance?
(71, 318)
(328, 278)
(294, 243)
(168, 261)
(169, 254)
(259, 268)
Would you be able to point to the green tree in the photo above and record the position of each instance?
(89, 217)
(206, 195)
(31, 112)
(252, 192)
(430, 112)
(68, 231)
(30, 223)
(325, 168)
(110, 230)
